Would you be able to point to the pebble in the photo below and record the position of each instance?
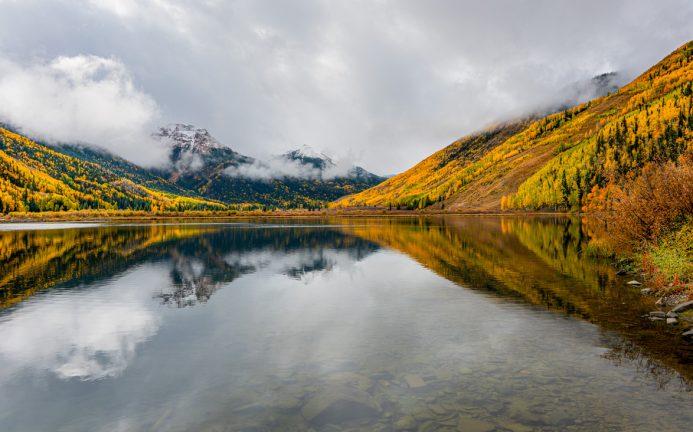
(634, 282)
(672, 321)
(645, 291)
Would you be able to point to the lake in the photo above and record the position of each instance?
(459, 323)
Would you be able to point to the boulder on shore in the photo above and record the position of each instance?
(682, 307)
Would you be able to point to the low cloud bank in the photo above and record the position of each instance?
(279, 167)
(82, 99)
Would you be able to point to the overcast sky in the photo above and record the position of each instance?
(384, 83)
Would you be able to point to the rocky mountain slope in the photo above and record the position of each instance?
(299, 178)
(564, 160)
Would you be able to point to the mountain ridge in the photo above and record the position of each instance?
(59, 177)
(522, 165)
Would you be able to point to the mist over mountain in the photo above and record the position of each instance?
(561, 161)
(200, 163)
(597, 86)
(194, 149)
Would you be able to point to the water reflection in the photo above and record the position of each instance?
(105, 277)
(538, 261)
(86, 333)
(361, 324)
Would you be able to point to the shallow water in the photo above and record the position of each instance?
(449, 323)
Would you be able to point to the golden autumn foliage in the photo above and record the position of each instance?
(36, 178)
(560, 162)
(37, 260)
(653, 204)
(649, 219)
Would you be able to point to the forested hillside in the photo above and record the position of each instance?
(562, 161)
(34, 177)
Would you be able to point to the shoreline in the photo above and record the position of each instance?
(125, 215)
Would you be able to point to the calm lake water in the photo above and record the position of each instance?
(441, 323)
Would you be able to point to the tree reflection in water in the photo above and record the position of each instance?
(534, 260)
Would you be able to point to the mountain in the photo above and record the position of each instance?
(299, 178)
(310, 158)
(326, 168)
(36, 177)
(39, 177)
(597, 86)
(563, 160)
(194, 149)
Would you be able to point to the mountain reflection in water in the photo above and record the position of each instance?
(355, 324)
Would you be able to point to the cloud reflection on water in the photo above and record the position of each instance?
(89, 333)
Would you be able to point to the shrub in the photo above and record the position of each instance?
(652, 205)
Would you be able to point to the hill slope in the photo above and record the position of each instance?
(560, 161)
(34, 177)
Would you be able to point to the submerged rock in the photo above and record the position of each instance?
(350, 379)
(437, 409)
(414, 381)
(405, 423)
(658, 314)
(466, 424)
(339, 405)
(287, 403)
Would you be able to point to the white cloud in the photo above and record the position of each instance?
(388, 81)
(280, 167)
(272, 169)
(81, 99)
(84, 335)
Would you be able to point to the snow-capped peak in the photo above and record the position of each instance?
(309, 152)
(308, 156)
(188, 138)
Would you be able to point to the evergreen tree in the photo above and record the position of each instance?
(565, 190)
